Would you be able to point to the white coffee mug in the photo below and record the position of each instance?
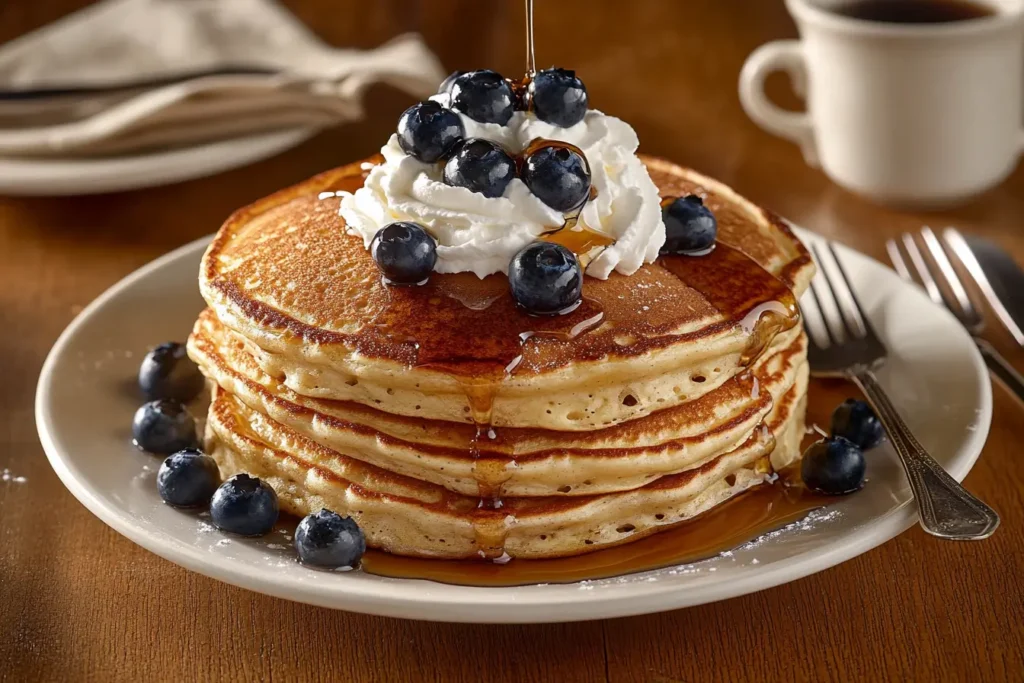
(910, 114)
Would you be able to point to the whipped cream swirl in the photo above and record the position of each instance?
(481, 235)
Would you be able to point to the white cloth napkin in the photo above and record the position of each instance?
(121, 41)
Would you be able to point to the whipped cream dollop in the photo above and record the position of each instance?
(480, 235)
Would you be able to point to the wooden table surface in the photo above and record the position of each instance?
(80, 602)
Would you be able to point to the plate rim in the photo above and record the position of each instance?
(415, 599)
(55, 177)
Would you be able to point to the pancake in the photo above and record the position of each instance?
(451, 424)
(517, 461)
(283, 274)
(410, 517)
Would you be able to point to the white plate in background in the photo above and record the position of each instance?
(59, 177)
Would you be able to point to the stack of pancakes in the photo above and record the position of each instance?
(450, 424)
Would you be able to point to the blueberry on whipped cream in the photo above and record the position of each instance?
(479, 215)
(558, 97)
(427, 131)
(690, 227)
(558, 176)
(484, 96)
(481, 166)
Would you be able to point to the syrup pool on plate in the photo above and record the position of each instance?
(738, 521)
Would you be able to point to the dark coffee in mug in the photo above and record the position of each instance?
(914, 11)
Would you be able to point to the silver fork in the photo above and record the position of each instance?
(848, 347)
(958, 301)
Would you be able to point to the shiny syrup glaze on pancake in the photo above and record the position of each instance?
(725, 527)
(471, 329)
(461, 325)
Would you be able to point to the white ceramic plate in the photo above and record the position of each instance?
(86, 398)
(58, 177)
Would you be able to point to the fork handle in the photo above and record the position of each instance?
(1005, 372)
(947, 509)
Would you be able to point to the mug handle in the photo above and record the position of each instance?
(781, 55)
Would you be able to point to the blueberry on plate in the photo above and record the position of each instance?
(854, 420)
(164, 426)
(446, 85)
(481, 166)
(558, 97)
(689, 226)
(833, 466)
(428, 131)
(558, 176)
(328, 540)
(545, 279)
(168, 372)
(188, 478)
(244, 505)
(483, 96)
(404, 252)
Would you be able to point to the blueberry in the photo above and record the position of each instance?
(168, 372)
(480, 166)
(483, 96)
(188, 478)
(545, 279)
(446, 85)
(558, 176)
(854, 420)
(428, 131)
(244, 505)
(404, 252)
(833, 466)
(164, 426)
(326, 539)
(559, 97)
(689, 226)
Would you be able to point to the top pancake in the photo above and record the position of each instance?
(284, 274)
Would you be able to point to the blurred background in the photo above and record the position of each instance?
(668, 68)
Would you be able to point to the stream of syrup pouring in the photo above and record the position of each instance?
(531, 62)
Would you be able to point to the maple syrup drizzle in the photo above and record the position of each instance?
(762, 325)
(733, 283)
(491, 470)
(578, 238)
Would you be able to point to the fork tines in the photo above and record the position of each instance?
(934, 269)
(832, 313)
